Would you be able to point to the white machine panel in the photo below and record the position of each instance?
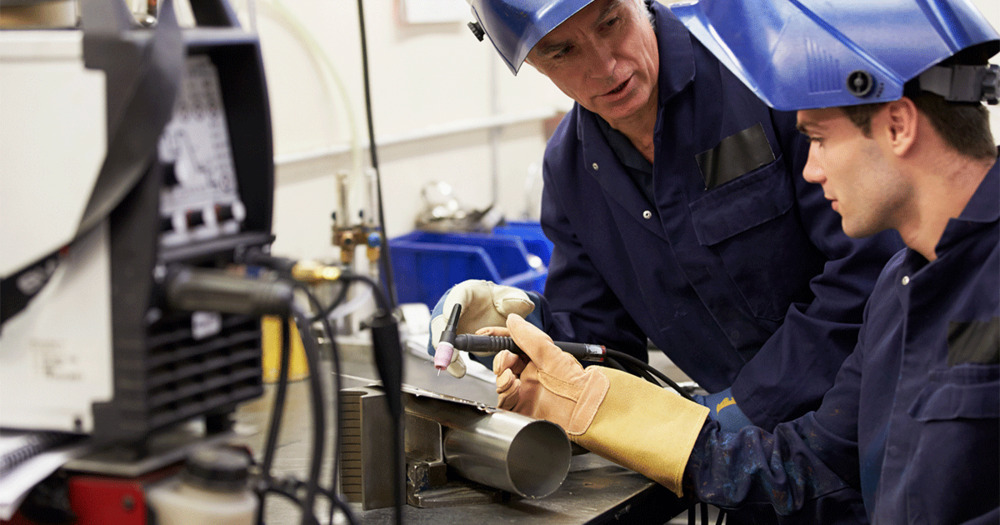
(46, 133)
(55, 356)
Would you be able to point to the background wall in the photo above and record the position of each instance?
(444, 109)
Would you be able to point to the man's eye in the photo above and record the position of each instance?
(562, 52)
(612, 22)
(811, 138)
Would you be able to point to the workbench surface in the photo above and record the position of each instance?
(595, 490)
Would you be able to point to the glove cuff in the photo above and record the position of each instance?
(644, 428)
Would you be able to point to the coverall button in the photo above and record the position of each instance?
(594, 165)
(906, 280)
(646, 214)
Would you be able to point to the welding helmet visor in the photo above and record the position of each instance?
(806, 54)
(515, 26)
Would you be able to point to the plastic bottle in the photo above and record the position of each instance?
(211, 490)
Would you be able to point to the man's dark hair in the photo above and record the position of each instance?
(965, 127)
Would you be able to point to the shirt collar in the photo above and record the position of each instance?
(623, 148)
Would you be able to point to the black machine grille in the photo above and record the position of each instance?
(187, 377)
(175, 377)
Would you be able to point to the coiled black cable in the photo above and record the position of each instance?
(312, 487)
(388, 354)
(311, 349)
(277, 412)
(335, 502)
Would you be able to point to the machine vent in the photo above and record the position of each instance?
(176, 377)
(187, 377)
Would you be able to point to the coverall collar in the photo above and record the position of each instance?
(676, 53)
(982, 208)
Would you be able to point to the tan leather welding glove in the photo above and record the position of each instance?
(484, 304)
(614, 414)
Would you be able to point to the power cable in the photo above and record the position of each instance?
(277, 411)
(384, 257)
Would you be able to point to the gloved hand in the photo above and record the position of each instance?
(722, 408)
(611, 413)
(484, 304)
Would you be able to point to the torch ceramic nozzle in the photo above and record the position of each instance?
(442, 355)
(446, 347)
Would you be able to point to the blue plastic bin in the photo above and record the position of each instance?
(427, 264)
(531, 233)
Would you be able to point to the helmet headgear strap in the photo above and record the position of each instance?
(962, 83)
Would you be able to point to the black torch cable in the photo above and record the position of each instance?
(381, 301)
(338, 380)
(338, 423)
(643, 373)
(391, 373)
(385, 338)
(491, 344)
(287, 494)
(316, 405)
(289, 488)
(384, 257)
(335, 501)
(277, 411)
(611, 363)
(324, 312)
(645, 366)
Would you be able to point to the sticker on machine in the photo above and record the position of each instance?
(205, 324)
(54, 360)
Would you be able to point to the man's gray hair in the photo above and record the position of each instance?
(648, 6)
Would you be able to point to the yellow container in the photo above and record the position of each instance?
(271, 333)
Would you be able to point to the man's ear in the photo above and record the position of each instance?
(901, 119)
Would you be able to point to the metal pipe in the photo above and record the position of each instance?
(501, 449)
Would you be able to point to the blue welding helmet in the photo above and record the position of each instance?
(515, 26)
(806, 54)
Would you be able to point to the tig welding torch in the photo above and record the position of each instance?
(488, 345)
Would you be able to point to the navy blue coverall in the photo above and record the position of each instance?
(913, 419)
(739, 272)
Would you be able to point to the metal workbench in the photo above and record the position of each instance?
(595, 490)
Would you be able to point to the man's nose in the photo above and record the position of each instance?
(601, 61)
(813, 171)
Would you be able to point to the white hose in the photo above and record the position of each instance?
(323, 63)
